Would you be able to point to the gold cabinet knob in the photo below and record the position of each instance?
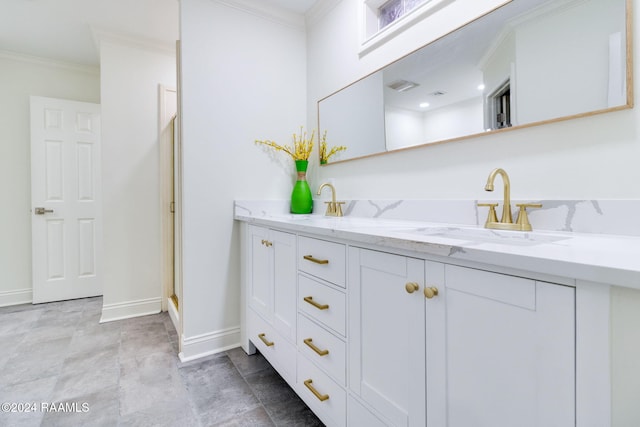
(430, 292)
(411, 287)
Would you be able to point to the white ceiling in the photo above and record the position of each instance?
(63, 29)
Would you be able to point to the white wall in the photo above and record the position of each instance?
(402, 128)
(558, 57)
(243, 78)
(455, 120)
(130, 77)
(21, 77)
(590, 158)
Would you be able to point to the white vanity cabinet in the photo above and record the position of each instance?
(271, 296)
(477, 349)
(370, 335)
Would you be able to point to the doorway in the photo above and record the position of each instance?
(170, 220)
(500, 106)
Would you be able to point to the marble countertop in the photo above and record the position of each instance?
(602, 258)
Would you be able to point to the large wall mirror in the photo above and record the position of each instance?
(526, 63)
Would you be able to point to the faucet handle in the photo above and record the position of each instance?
(529, 205)
(331, 209)
(334, 208)
(492, 217)
(523, 219)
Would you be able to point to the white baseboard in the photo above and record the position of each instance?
(15, 297)
(208, 344)
(126, 310)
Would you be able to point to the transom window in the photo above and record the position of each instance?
(381, 20)
(393, 10)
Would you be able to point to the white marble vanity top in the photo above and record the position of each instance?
(603, 258)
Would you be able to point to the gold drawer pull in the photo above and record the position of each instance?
(321, 397)
(316, 260)
(309, 342)
(315, 304)
(264, 340)
(266, 243)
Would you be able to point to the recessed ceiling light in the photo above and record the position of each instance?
(481, 87)
(424, 104)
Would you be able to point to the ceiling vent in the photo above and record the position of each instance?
(402, 85)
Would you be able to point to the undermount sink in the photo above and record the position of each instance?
(467, 234)
(483, 235)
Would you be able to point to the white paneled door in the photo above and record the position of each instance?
(65, 195)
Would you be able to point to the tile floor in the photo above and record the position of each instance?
(127, 373)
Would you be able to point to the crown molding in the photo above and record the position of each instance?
(319, 10)
(104, 35)
(48, 62)
(270, 13)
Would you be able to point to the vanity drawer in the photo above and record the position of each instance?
(323, 259)
(323, 395)
(323, 348)
(322, 303)
(277, 350)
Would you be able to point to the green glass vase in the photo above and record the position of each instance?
(301, 199)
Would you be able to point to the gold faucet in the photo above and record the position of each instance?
(333, 208)
(506, 220)
(506, 208)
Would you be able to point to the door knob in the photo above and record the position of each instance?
(430, 292)
(42, 211)
(411, 287)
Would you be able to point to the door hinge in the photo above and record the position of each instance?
(172, 207)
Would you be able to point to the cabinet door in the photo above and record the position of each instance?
(500, 350)
(272, 281)
(386, 335)
(260, 280)
(284, 283)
